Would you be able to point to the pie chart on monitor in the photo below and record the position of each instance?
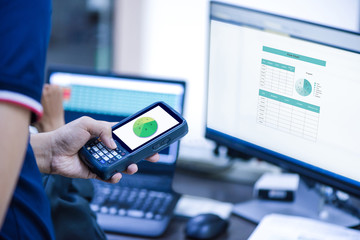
(303, 87)
(145, 127)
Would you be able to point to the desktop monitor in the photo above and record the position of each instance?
(111, 97)
(286, 91)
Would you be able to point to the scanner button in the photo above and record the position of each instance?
(165, 141)
(156, 146)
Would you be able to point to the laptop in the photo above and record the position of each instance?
(141, 204)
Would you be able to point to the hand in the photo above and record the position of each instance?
(52, 102)
(66, 142)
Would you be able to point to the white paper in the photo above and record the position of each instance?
(284, 227)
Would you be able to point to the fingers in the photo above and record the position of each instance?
(114, 179)
(103, 130)
(131, 169)
(153, 158)
(52, 91)
(100, 129)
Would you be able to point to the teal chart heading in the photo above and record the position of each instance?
(294, 56)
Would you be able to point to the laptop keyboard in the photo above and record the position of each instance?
(114, 199)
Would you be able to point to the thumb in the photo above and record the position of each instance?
(100, 129)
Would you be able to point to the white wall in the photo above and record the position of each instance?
(128, 35)
(176, 46)
(168, 38)
(344, 14)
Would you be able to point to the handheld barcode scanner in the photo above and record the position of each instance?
(137, 137)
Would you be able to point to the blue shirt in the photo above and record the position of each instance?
(24, 35)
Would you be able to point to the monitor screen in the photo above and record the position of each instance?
(286, 91)
(111, 97)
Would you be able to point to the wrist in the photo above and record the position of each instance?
(50, 125)
(42, 146)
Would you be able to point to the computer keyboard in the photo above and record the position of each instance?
(120, 208)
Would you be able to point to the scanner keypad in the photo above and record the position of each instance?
(103, 154)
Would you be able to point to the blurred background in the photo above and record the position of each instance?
(165, 38)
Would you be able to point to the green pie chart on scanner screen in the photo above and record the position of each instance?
(145, 127)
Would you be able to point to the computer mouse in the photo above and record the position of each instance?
(205, 226)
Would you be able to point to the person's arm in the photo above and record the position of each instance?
(14, 124)
(53, 111)
(56, 152)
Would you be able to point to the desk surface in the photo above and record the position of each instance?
(197, 185)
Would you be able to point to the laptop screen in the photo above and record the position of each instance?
(112, 97)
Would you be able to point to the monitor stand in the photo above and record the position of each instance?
(307, 203)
